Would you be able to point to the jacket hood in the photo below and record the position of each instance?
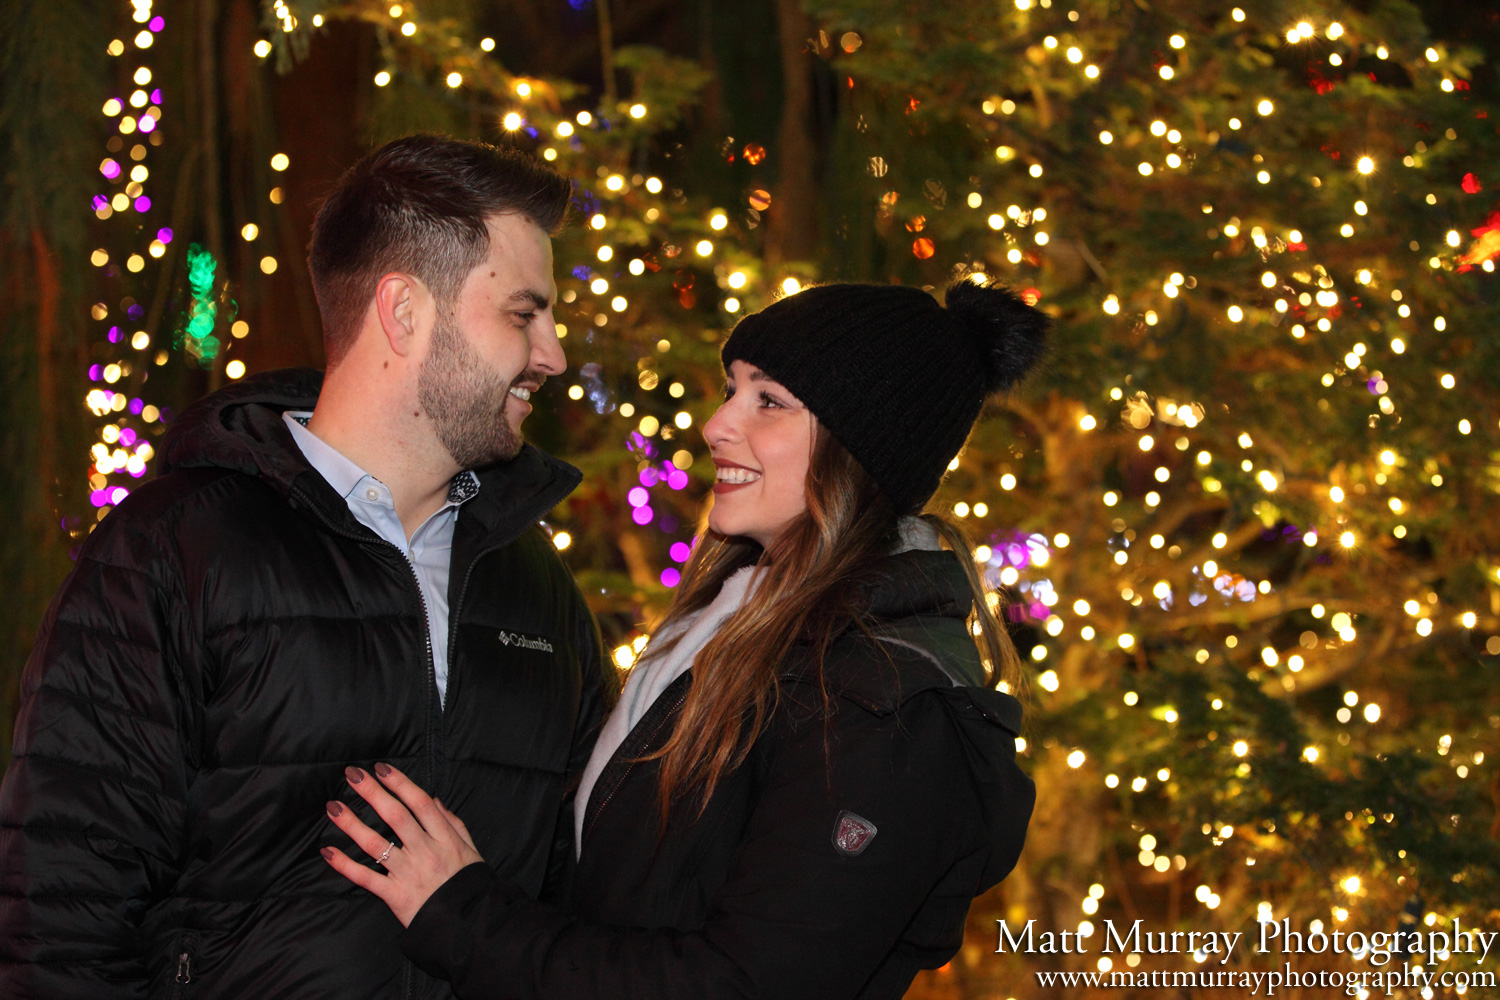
(921, 601)
(240, 429)
(919, 582)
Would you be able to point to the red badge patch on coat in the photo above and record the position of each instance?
(852, 833)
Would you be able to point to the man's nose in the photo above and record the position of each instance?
(547, 353)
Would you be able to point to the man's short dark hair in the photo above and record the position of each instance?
(418, 205)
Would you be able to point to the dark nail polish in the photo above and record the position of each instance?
(382, 770)
(354, 774)
(327, 853)
(335, 809)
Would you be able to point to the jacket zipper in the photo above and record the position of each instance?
(670, 714)
(431, 669)
(184, 973)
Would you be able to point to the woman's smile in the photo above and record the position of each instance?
(731, 476)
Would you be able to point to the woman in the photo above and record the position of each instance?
(810, 773)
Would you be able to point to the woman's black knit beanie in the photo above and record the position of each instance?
(898, 379)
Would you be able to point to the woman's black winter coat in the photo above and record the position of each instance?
(757, 898)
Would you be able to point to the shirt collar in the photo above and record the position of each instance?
(344, 475)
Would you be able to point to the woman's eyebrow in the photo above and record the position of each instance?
(760, 376)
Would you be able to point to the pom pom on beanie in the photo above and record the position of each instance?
(1011, 335)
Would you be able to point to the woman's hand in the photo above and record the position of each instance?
(434, 844)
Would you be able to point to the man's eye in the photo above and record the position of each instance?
(525, 318)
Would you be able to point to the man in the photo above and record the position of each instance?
(324, 575)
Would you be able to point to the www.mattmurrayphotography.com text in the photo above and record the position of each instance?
(1377, 949)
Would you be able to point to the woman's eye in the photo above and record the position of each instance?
(766, 399)
(728, 393)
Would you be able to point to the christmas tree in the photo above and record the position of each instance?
(1243, 522)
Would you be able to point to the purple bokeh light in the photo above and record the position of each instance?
(677, 479)
(1019, 549)
(109, 169)
(100, 203)
(638, 497)
(670, 577)
(117, 494)
(96, 372)
(642, 515)
(680, 551)
(157, 23)
(143, 204)
(156, 96)
(136, 406)
(127, 437)
(649, 476)
(164, 234)
(115, 335)
(146, 124)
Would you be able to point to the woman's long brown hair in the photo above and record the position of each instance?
(807, 591)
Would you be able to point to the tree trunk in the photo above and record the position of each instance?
(47, 292)
(607, 55)
(791, 232)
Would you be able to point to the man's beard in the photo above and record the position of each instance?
(466, 400)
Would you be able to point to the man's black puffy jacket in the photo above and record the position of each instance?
(230, 639)
(838, 860)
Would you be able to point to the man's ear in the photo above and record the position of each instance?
(398, 304)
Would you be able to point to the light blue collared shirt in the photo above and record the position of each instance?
(430, 549)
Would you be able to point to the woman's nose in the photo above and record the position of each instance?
(720, 428)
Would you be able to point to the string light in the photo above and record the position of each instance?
(123, 450)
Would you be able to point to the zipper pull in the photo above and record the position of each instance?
(184, 969)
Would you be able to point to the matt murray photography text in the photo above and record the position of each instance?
(1377, 948)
